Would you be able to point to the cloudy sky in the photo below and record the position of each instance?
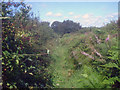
(86, 13)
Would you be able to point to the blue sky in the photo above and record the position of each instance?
(86, 13)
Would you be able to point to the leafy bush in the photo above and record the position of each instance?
(19, 70)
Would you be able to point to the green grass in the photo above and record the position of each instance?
(66, 72)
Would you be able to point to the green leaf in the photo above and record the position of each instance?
(31, 73)
(6, 53)
(84, 75)
(11, 87)
(29, 59)
(110, 65)
(8, 84)
(3, 63)
(13, 56)
(17, 61)
(110, 80)
(1, 84)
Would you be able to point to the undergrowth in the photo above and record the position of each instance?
(83, 62)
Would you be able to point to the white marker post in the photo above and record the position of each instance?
(48, 51)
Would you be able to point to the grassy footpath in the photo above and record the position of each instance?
(64, 74)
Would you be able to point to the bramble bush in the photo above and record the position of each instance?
(18, 70)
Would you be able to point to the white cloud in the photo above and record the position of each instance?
(91, 20)
(85, 16)
(49, 14)
(115, 14)
(112, 16)
(53, 15)
(87, 19)
(106, 20)
(76, 17)
(70, 13)
(65, 17)
(58, 14)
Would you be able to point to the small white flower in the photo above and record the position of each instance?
(57, 84)
(79, 63)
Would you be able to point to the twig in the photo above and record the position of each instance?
(33, 54)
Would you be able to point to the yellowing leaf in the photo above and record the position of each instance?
(31, 73)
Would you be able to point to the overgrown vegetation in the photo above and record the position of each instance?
(87, 60)
(22, 35)
(78, 58)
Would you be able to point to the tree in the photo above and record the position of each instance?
(64, 27)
